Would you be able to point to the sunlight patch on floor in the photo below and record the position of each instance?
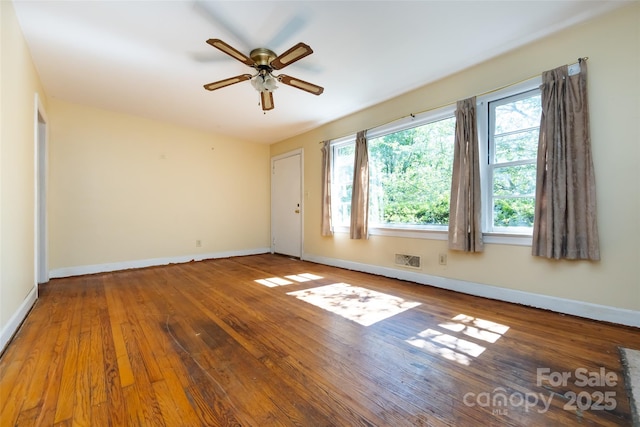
(272, 282)
(304, 277)
(476, 328)
(448, 345)
(360, 305)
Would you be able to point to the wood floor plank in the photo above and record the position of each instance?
(82, 398)
(14, 385)
(133, 406)
(99, 413)
(67, 390)
(171, 413)
(114, 404)
(12, 402)
(96, 361)
(141, 397)
(174, 386)
(117, 315)
(52, 382)
(224, 342)
(27, 418)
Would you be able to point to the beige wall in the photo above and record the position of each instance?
(19, 83)
(612, 44)
(125, 188)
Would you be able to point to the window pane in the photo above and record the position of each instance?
(410, 175)
(518, 115)
(514, 124)
(513, 212)
(341, 183)
(517, 146)
(514, 180)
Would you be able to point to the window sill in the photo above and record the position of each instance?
(414, 233)
(431, 234)
(508, 239)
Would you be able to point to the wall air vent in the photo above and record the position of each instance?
(404, 260)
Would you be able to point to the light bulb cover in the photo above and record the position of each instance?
(264, 82)
(270, 83)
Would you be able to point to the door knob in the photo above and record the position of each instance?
(297, 211)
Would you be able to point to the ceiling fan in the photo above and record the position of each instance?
(265, 61)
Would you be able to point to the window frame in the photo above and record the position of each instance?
(435, 232)
(335, 145)
(426, 231)
(518, 235)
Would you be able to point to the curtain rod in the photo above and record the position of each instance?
(413, 115)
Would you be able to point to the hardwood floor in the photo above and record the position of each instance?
(242, 341)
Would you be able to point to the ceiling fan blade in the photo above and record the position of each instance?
(219, 44)
(267, 100)
(301, 84)
(227, 82)
(208, 57)
(214, 14)
(293, 26)
(294, 54)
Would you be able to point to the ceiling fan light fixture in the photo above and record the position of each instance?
(270, 83)
(264, 82)
(257, 83)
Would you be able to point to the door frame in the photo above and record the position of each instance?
(297, 152)
(41, 171)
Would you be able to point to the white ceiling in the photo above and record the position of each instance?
(149, 58)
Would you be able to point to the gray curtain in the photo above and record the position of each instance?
(565, 213)
(327, 230)
(360, 190)
(465, 228)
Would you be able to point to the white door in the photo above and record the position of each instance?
(286, 204)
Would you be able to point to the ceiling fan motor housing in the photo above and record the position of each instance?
(262, 57)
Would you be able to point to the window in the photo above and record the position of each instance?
(342, 152)
(410, 174)
(410, 164)
(511, 141)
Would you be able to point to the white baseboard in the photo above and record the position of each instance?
(126, 265)
(18, 317)
(559, 305)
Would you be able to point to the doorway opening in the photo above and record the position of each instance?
(41, 171)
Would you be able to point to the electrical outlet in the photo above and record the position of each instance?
(198, 243)
(442, 259)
